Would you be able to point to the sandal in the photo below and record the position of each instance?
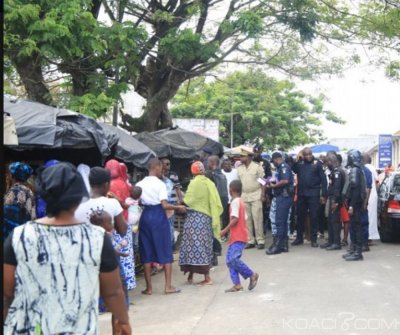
(175, 290)
(234, 289)
(253, 283)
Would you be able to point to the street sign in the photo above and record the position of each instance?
(385, 150)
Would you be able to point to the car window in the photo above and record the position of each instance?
(396, 184)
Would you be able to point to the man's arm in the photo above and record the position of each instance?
(324, 183)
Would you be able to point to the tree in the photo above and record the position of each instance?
(261, 106)
(157, 45)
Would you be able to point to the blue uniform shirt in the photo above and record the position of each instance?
(311, 178)
(368, 177)
(284, 172)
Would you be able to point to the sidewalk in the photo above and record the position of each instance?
(307, 291)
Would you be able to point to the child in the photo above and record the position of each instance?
(103, 219)
(238, 239)
(134, 211)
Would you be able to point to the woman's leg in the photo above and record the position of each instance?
(147, 278)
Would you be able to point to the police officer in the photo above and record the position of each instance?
(283, 192)
(337, 179)
(355, 194)
(311, 193)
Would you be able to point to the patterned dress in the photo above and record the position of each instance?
(19, 207)
(197, 243)
(57, 279)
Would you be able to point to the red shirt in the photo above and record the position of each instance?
(238, 233)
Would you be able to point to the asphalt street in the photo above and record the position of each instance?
(307, 291)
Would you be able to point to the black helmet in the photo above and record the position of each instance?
(354, 158)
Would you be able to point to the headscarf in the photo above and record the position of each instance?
(197, 168)
(202, 196)
(124, 173)
(20, 171)
(40, 202)
(61, 186)
(118, 185)
(84, 170)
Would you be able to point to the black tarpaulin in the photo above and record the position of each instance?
(127, 148)
(42, 126)
(178, 143)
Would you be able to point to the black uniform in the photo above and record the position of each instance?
(336, 183)
(312, 184)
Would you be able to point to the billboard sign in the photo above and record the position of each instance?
(385, 150)
(206, 127)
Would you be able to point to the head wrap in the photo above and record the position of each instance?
(51, 162)
(61, 186)
(99, 176)
(114, 167)
(20, 171)
(124, 173)
(197, 168)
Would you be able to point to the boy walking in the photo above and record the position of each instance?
(238, 239)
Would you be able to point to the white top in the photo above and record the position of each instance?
(230, 176)
(154, 190)
(235, 206)
(57, 279)
(111, 206)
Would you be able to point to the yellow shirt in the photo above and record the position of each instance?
(248, 176)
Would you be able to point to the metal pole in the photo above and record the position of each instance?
(232, 122)
(115, 110)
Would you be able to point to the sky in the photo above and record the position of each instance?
(367, 100)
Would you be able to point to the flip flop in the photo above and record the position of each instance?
(176, 290)
(145, 292)
(234, 289)
(253, 284)
(204, 283)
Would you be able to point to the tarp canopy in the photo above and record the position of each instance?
(320, 148)
(127, 148)
(178, 143)
(42, 126)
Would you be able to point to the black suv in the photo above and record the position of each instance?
(389, 208)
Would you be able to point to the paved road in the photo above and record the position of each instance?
(308, 291)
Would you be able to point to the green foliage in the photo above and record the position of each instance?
(90, 104)
(261, 106)
(65, 35)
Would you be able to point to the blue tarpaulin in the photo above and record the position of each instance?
(319, 148)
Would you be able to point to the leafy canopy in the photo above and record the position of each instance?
(272, 109)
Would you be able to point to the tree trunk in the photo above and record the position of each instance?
(156, 115)
(30, 72)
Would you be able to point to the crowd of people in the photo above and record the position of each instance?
(71, 234)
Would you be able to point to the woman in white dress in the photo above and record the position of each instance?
(372, 201)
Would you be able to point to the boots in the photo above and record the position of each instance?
(285, 244)
(350, 251)
(277, 248)
(357, 255)
(274, 239)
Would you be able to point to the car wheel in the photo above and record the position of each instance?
(386, 235)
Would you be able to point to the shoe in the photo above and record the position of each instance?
(285, 244)
(250, 246)
(355, 257)
(253, 283)
(276, 249)
(260, 246)
(274, 239)
(314, 244)
(365, 248)
(325, 245)
(297, 242)
(334, 247)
